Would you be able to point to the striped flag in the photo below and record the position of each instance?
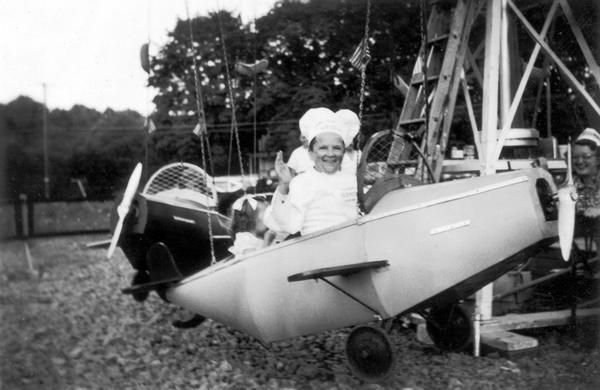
(251, 69)
(197, 130)
(145, 58)
(400, 84)
(149, 124)
(361, 56)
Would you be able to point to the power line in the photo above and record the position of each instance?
(216, 128)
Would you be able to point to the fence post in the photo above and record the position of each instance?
(18, 218)
(25, 223)
(30, 218)
(24, 216)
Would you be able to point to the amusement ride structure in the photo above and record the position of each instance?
(433, 231)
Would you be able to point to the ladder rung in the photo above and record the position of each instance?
(438, 39)
(419, 79)
(409, 122)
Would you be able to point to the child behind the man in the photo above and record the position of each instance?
(247, 227)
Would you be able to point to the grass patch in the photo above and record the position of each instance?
(71, 216)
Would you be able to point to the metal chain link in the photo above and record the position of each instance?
(363, 78)
(202, 122)
(363, 72)
(424, 69)
(231, 97)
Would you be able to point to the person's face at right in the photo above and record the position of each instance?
(585, 161)
(328, 152)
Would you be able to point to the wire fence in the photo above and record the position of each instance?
(54, 217)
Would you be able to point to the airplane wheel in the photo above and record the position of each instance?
(449, 327)
(140, 277)
(370, 354)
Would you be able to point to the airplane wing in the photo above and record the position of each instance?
(341, 270)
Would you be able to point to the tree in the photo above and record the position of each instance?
(307, 45)
(100, 148)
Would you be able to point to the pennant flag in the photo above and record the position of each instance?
(145, 58)
(361, 56)
(251, 69)
(198, 130)
(149, 124)
(400, 84)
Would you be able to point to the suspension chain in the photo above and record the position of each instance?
(202, 122)
(231, 96)
(363, 72)
(424, 68)
(363, 78)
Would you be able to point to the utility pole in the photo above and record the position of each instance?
(45, 140)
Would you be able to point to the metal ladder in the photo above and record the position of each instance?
(444, 48)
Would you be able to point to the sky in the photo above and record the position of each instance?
(88, 52)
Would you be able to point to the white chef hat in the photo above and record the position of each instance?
(350, 122)
(590, 135)
(311, 118)
(330, 125)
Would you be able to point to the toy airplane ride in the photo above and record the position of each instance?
(418, 247)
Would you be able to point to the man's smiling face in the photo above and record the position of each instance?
(327, 152)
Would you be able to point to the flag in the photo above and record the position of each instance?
(400, 84)
(149, 124)
(251, 69)
(361, 55)
(198, 130)
(145, 58)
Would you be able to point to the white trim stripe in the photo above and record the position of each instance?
(476, 191)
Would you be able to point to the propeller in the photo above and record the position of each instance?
(123, 208)
(567, 197)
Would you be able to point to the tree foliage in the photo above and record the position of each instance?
(97, 148)
(307, 45)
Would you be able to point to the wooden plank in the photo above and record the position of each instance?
(472, 64)
(437, 25)
(535, 320)
(452, 93)
(441, 96)
(516, 68)
(504, 67)
(489, 121)
(507, 341)
(471, 112)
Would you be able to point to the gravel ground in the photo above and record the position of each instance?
(67, 326)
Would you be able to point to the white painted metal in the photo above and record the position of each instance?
(569, 77)
(489, 121)
(471, 113)
(521, 88)
(567, 196)
(505, 76)
(123, 208)
(252, 293)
